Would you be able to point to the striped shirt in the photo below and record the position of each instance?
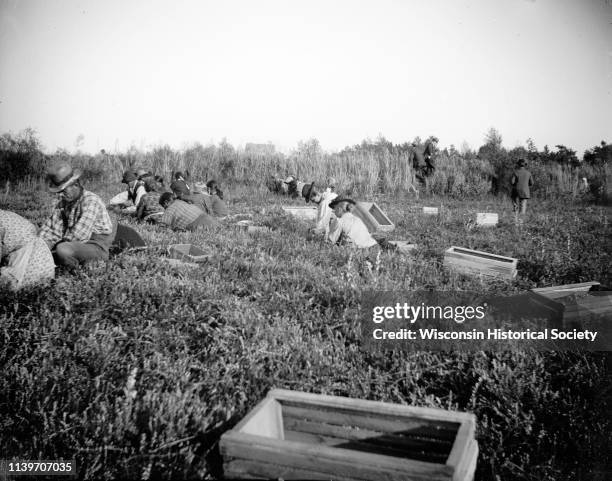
(180, 214)
(78, 221)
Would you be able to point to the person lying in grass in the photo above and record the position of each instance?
(181, 215)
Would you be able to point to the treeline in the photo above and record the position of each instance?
(373, 166)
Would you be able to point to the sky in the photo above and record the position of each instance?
(110, 74)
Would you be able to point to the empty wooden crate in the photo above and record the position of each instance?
(294, 435)
(188, 253)
(486, 219)
(471, 261)
(576, 301)
(373, 217)
(302, 212)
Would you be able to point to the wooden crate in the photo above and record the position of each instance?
(487, 219)
(249, 227)
(404, 246)
(373, 217)
(430, 210)
(294, 435)
(575, 301)
(188, 253)
(302, 212)
(477, 262)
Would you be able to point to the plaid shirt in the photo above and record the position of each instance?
(77, 222)
(180, 214)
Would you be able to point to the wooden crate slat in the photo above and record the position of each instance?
(388, 424)
(478, 262)
(462, 443)
(286, 397)
(248, 469)
(467, 468)
(382, 445)
(553, 292)
(337, 461)
(395, 438)
(267, 421)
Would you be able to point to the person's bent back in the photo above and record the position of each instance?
(181, 215)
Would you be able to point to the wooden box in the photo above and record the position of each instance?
(373, 217)
(188, 253)
(293, 435)
(404, 246)
(576, 301)
(487, 219)
(249, 227)
(303, 212)
(477, 262)
(430, 210)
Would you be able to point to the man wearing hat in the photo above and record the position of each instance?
(134, 193)
(346, 228)
(79, 229)
(521, 181)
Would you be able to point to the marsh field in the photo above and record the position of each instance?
(135, 368)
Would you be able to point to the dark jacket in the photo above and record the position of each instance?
(521, 181)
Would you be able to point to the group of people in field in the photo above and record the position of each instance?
(81, 229)
(180, 206)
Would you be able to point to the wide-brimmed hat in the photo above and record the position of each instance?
(141, 172)
(336, 201)
(308, 191)
(62, 175)
(129, 176)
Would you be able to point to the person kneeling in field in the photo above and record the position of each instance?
(128, 200)
(26, 258)
(346, 228)
(79, 229)
(182, 215)
(217, 205)
(324, 212)
(149, 208)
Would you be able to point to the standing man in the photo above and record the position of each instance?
(79, 229)
(521, 181)
(428, 153)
